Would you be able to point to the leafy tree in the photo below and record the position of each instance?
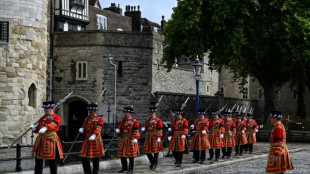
(265, 39)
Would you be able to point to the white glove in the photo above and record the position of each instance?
(256, 130)
(243, 131)
(192, 126)
(143, 129)
(42, 130)
(92, 138)
(81, 130)
(158, 140)
(230, 133)
(183, 136)
(117, 131)
(221, 136)
(169, 129)
(135, 140)
(204, 132)
(33, 127)
(254, 134)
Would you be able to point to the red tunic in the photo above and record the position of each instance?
(178, 127)
(46, 143)
(90, 149)
(251, 127)
(278, 159)
(153, 128)
(240, 137)
(199, 140)
(129, 131)
(216, 129)
(229, 139)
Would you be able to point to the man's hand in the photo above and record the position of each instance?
(32, 127)
(42, 130)
(221, 136)
(158, 140)
(143, 129)
(204, 132)
(183, 136)
(81, 130)
(135, 140)
(117, 131)
(92, 138)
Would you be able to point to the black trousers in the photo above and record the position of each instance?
(251, 147)
(86, 165)
(38, 169)
(246, 147)
(226, 151)
(241, 149)
(217, 153)
(125, 165)
(202, 157)
(178, 156)
(153, 158)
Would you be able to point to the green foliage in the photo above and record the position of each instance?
(266, 39)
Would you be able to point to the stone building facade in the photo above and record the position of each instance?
(22, 66)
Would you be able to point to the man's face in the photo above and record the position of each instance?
(226, 118)
(178, 116)
(48, 111)
(152, 114)
(201, 116)
(215, 115)
(92, 112)
(273, 120)
(127, 115)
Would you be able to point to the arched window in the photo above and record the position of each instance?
(32, 95)
(81, 73)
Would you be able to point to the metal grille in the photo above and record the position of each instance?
(4, 31)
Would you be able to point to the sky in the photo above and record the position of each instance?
(150, 9)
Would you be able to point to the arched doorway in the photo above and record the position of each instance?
(77, 113)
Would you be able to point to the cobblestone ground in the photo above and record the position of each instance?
(166, 164)
(300, 162)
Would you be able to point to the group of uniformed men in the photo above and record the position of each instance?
(224, 133)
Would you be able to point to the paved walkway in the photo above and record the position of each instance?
(248, 163)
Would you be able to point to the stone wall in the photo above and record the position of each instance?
(114, 20)
(22, 63)
(134, 50)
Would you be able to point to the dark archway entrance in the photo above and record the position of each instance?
(77, 113)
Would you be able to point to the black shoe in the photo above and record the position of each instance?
(179, 165)
(151, 166)
(228, 157)
(202, 162)
(236, 154)
(250, 152)
(195, 161)
(121, 171)
(223, 156)
(154, 167)
(129, 171)
(240, 154)
(210, 158)
(216, 158)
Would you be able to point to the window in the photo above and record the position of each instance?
(120, 69)
(32, 93)
(245, 93)
(222, 89)
(260, 94)
(156, 47)
(61, 26)
(161, 48)
(72, 27)
(157, 64)
(81, 73)
(4, 31)
(101, 22)
(208, 89)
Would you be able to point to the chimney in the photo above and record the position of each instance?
(135, 17)
(114, 9)
(162, 23)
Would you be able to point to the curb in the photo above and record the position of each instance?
(104, 165)
(212, 166)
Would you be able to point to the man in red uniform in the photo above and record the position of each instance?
(278, 159)
(251, 129)
(128, 146)
(240, 137)
(47, 145)
(92, 146)
(244, 118)
(179, 131)
(230, 132)
(216, 135)
(200, 141)
(153, 127)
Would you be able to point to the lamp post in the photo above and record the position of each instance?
(111, 62)
(197, 74)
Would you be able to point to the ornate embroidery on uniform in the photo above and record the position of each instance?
(228, 123)
(50, 117)
(219, 121)
(130, 122)
(180, 121)
(202, 121)
(95, 119)
(153, 121)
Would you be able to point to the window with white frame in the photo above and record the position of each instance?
(245, 93)
(102, 22)
(156, 47)
(161, 48)
(81, 70)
